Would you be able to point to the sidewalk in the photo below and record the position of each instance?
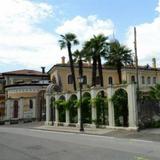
(148, 134)
(94, 131)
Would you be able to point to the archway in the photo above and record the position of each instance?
(86, 108)
(15, 109)
(120, 101)
(102, 108)
(73, 109)
(61, 104)
(52, 113)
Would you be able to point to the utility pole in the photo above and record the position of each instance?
(136, 61)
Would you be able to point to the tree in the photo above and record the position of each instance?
(67, 41)
(154, 93)
(118, 55)
(96, 48)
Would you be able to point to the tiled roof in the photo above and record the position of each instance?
(25, 72)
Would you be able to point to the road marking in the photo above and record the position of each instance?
(140, 158)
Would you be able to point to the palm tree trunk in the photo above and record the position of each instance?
(94, 70)
(119, 74)
(100, 71)
(71, 66)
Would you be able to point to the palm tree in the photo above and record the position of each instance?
(67, 41)
(118, 55)
(96, 48)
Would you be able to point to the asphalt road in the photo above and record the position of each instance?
(28, 144)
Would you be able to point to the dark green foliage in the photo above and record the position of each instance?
(118, 56)
(120, 101)
(67, 41)
(154, 93)
(86, 110)
(101, 105)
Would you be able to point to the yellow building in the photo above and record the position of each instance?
(60, 74)
(24, 94)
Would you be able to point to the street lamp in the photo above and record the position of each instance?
(80, 89)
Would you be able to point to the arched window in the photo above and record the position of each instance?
(148, 80)
(132, 79)
(143, 80)
(154, 80)
(84, 79)
(97, 80)
(15, 110)
(110, 80)
(30, 103)
(70, 79)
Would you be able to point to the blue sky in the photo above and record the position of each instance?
(29, 29)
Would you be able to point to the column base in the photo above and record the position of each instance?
(78, 125)
(56, 124)
(66, 124)
(93, 125)
(48, 123)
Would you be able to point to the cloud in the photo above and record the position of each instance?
(25, 43)
(148, 39)
(22, 40)
(85, 28)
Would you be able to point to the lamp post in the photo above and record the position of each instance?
(80, 89)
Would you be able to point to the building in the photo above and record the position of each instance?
(60, 76)
(25, 94)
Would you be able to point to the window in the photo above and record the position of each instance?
(110, 80)
(143, 80)
(70, 79)
(154, 80)
(148, 80)
(30, 104)
(132, 79)
(84, 79)
(97, 80)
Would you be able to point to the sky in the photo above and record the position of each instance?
(30, 29)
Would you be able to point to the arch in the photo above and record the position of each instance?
(148, 80)
(86, 94)
(110, 80)
(101, 92)
(86, 107)
(120, 102)
(143, 80)
(52, 106)
(15, 109)
(61, 108)
(73, 115)
(62, 97)
(70, 79)
(132, 79)
(102, 108)
(31, 104)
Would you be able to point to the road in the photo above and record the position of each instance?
(29, 144)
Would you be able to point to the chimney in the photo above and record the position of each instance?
(154, 63)
(43, 69)
(63, 60)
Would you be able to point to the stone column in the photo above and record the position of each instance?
(56, 113)
(67, 111)
(8, 109)
(94, 109)
(34, 108)
(48, 118)
(57, 116)
(132, 106)
(110, 92)
(20, 102)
